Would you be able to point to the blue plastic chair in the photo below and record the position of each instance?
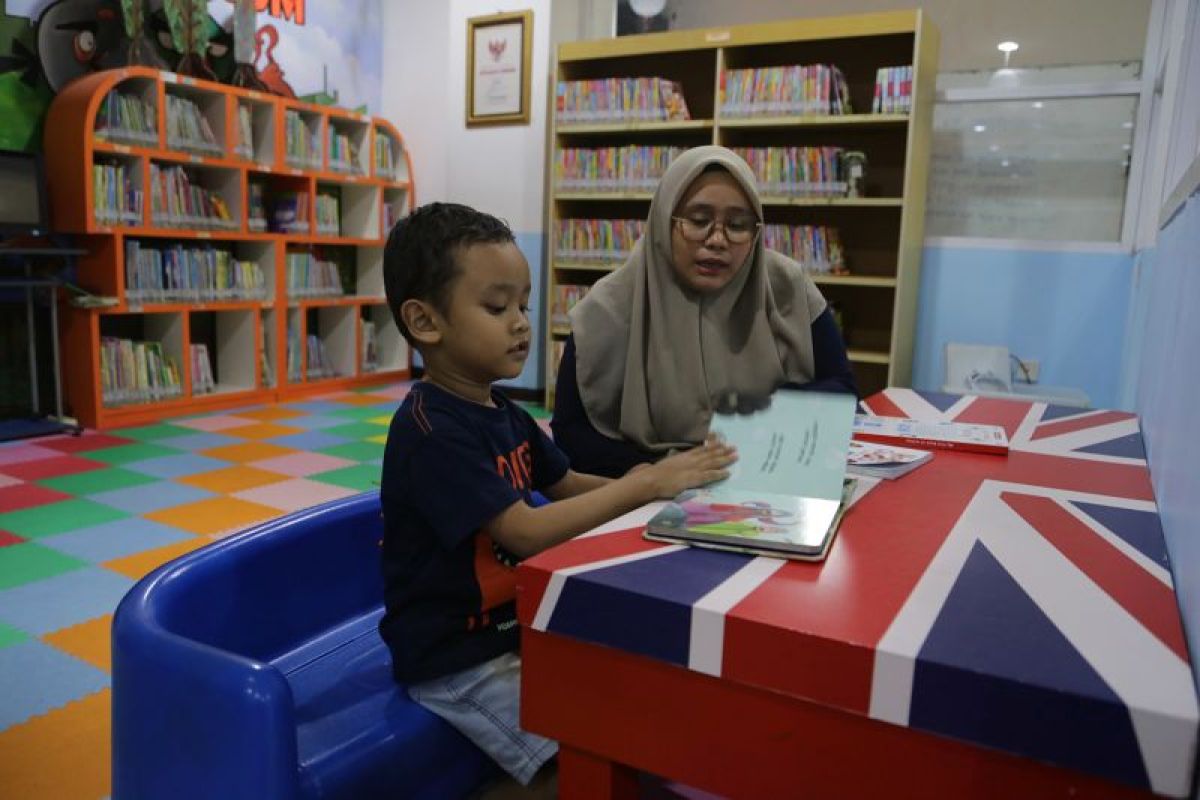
(253, 668)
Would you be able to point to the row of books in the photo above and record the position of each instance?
(136, 372)
(256, 211)
(370, 347)
(604, 240)
(126, 117)
(116, 197)
(203, 380)
(817, 248)
(797, 171)
(302, 144)
(245, 129)
(294, 353)
(176, 201)
(188, 129)
(318, 364)
(289, 213)
(392, 212)
(189, 274)
(565, 297)
(329, 215)
(308, 276)
(343, 155)
(606, 169)
(385, 157)
(620, 99)
(893, 90)
(818, 89)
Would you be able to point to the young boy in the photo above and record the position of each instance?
(458, 472)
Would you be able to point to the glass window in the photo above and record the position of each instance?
(1031, 169)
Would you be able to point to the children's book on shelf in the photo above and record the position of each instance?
(787, 491)
(245, 141)
(203, 380)
(256, 217)
(289, 213)
(875, 460)
(934, 435)
(370, 347)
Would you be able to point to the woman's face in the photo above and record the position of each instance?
(707, 263)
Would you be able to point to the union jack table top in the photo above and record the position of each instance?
(1023, 603)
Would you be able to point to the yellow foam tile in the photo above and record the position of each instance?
(384, 420)
(363, 399)
(250, 451)
(138, 565)
(264, 430)
(214, 515)
(65, 754)
(378, 439)
(232, 479)
(271, 414)
(90, 641)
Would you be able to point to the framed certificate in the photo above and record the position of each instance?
(499, 51)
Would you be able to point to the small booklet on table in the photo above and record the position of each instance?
(788, 489)
(889, 461)
(934, 435)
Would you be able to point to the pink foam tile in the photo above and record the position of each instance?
(301, 465)
(8, 480)
(397, 392)
(295, 494)
(217, 422)
(21, 453)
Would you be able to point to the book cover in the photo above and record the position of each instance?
(888, 461)
(785, 493)
(936, 435)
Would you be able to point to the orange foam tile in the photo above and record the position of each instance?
(65, 754)
(250, 451)
(264, 430)
(138, 565)
(214, 515)
(271, 414)
(232, 479)
(362, 399)
(90, 641)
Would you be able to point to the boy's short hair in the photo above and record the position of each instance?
(419, 260)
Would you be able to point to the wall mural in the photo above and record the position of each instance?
(317, 50)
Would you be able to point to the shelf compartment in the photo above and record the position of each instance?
(331, 342)
(141, 358)
(118, 184)
(694, 70)
(620, 127)
(348, 145)
(389, 160)
(229, 338)
(193, 115)
(161, 272)
(259, 148)
(319, 271)
(357, 211)
(395, 207)
(369, 272)
(391, 349)
(268, 352)
(192, 196)
(812, 121)
(128, 115)
(302, 135)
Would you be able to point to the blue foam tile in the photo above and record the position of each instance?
(64, 600)
(48, 679)
(151, 497)
(203, 441)
(309, 440)
(167, 467)
(122, 537)
(313, 422)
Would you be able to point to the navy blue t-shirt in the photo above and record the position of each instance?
(450, 467)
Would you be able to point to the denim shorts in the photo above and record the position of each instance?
(483, 702)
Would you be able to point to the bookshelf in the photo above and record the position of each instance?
(868, 247)
(241, 235)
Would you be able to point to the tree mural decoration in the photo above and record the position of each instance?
(141, 49)
(189, 33)
(244, 41)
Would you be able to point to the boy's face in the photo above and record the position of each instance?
(485, 335)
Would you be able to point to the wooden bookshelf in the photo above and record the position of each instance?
(881, 233)
(359, 159)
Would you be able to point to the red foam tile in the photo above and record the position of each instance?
(52, 468)
(15, 498)
(82, 444)
(7, 538)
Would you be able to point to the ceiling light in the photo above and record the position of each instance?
(1004, 163)
(1126, 147)
(1008, 47)
(1038, 104)
(995, 148)
(980, 128)
(1126, 125)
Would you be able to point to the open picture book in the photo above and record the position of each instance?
(788, 489)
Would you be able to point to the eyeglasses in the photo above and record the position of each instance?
(737, 230)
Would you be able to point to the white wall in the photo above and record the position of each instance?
(500, 170)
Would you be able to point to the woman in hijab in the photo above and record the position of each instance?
(701, 315)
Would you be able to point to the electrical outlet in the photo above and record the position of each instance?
(1032, 368)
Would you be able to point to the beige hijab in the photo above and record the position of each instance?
(651, 354)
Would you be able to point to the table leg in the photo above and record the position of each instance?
(583, 776)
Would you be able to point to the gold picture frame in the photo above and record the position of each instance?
(498, 83)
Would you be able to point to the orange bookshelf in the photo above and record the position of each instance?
(344, 339)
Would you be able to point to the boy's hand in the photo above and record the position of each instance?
(697, 467)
